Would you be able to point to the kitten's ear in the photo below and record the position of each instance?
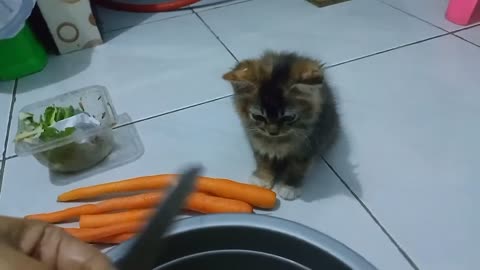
(308, 72)
(239, 74)
(239, 78)
(309, 77)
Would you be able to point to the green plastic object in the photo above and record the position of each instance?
(21, 55)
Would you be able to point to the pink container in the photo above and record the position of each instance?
(463, 12)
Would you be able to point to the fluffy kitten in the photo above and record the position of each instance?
(288, 113)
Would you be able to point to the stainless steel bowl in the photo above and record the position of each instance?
(240, 241)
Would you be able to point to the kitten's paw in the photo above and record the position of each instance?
(261, 182)
(287, 192)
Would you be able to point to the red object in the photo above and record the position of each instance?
(463, 12)
(167, 6)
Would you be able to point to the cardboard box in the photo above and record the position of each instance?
(71, 23)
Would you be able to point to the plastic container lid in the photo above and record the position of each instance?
(93, 100)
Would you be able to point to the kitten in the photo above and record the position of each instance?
(288, 113)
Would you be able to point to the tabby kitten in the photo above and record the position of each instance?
(288, 113)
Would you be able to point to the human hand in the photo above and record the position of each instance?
(30, 244)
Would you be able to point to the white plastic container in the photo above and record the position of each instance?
(84, 148)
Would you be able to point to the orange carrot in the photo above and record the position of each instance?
(140, 201)
(197, 202)
(133, 184)
(95, 221)
(254, 195)
(95, 234)
(204, 203)
(116, 239)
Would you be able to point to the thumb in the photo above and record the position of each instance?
(51, 245)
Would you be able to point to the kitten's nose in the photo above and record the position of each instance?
(273, 132)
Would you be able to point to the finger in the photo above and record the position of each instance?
(51, 245)
(14, 259)
(69, 253)
(21, 234)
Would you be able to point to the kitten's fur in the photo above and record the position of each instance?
(288, 113)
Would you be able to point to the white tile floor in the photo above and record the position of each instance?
(408, 96)
(410, 147)
(334, 34)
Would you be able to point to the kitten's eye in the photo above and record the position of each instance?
(257, 117)
(289, 118)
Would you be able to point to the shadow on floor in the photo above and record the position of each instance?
(58, 68)
(322, 182)
(113, 23)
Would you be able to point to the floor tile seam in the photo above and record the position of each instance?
(386, 50)
(399, 248)
(327, 65)
(157, 115)
(215, 35)
(412, 15)
(465, 28)
(191, 9)
(184, 108)
(428, 22)
(7, 134)
(466, 40)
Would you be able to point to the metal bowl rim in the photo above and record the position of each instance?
(265, 223)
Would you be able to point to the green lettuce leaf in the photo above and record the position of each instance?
(51, 133)
(43, 129)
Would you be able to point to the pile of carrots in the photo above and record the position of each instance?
(117, 219)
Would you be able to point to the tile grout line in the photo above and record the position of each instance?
(425, 21)
(200, 103)
(466, 40)
(370, 213)
(361, 57)
(387, 50)
(411, 15)
(172, 111)
(215, 35)
(9, 124)
(192, 9)
(466, 28)
(157, 115)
